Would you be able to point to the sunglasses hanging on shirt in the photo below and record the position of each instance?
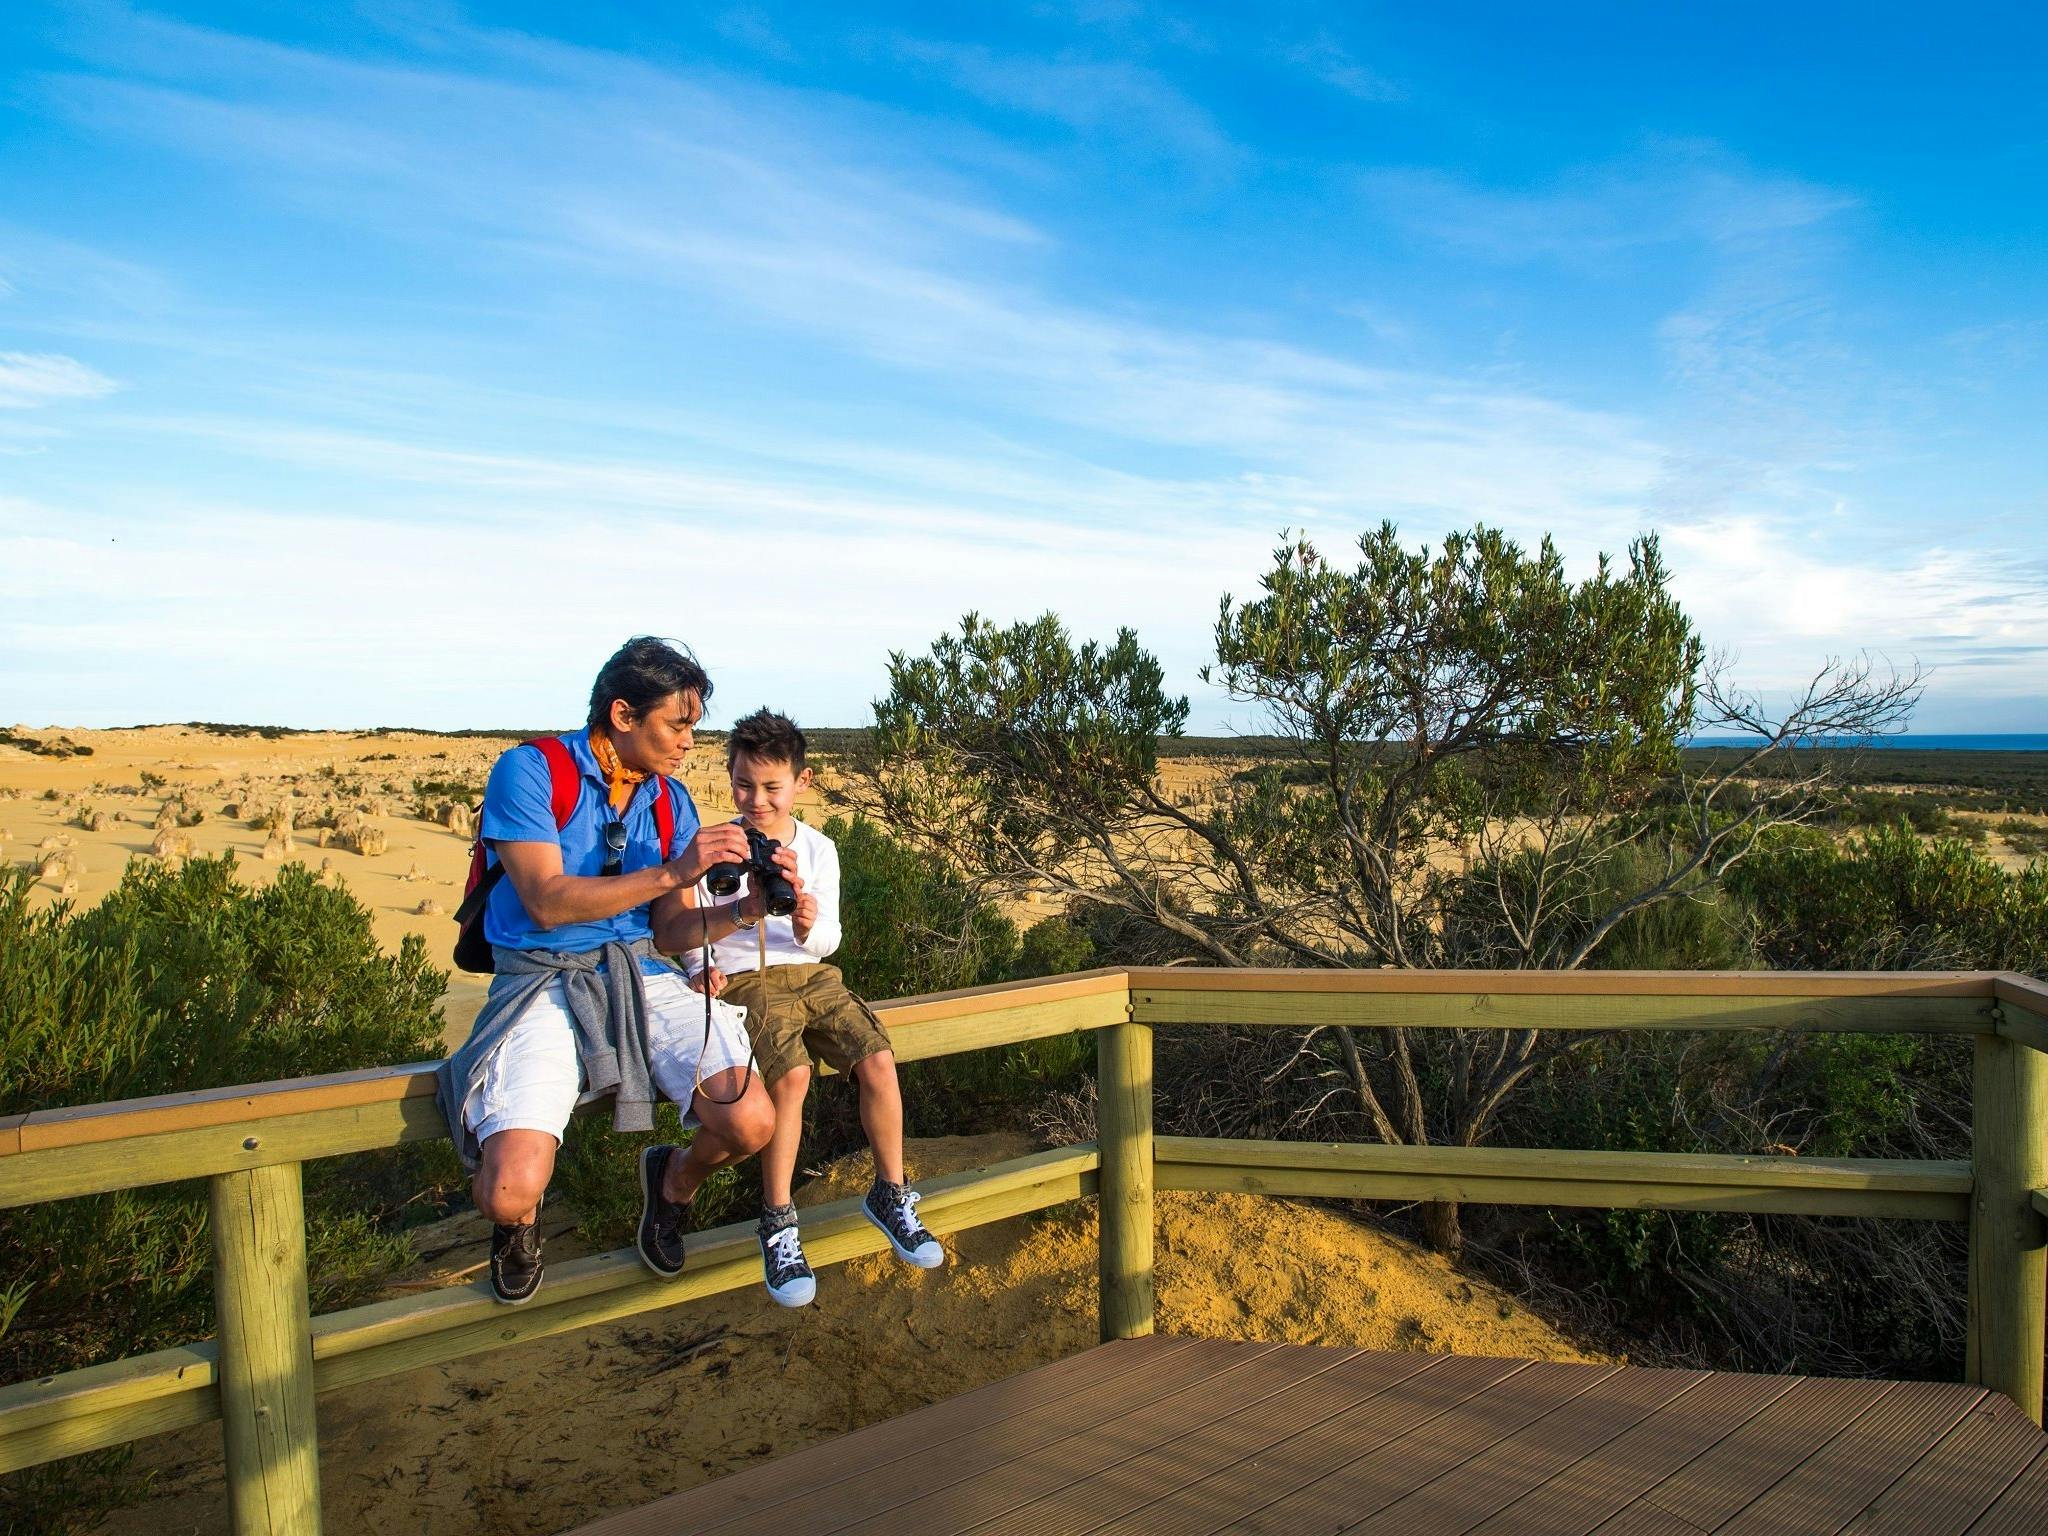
(615, 848)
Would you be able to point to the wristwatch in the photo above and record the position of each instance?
(742, 922)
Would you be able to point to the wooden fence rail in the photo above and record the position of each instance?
(261, 1375)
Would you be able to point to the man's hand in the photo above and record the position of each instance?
(725, 843)
(713, 978)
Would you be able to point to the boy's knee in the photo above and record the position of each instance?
(876, 1069)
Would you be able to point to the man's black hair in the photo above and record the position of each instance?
(768, 738)
(643, 672)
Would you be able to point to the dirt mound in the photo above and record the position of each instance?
(539, 1437)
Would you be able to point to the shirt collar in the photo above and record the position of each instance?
(578, 743)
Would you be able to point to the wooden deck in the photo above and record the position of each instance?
(1180, 1437)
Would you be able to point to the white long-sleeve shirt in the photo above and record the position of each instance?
(817, 863)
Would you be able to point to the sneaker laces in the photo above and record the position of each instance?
(786, 1252)
(908, 1228)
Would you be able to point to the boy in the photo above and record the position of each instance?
(799, 1007)
(599, 848)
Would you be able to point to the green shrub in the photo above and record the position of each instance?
(1890, 900)
(1053, 946)
(910, 924)
(183, 979)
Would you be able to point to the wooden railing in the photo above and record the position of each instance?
(261, 1375)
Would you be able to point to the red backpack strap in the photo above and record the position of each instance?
(665, 817)
(565, 782)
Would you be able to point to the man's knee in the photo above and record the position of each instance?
(745, 1124)
(793, 1084)
(514, 1174)
(755, 1123)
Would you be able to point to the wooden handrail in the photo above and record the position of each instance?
(1897, 984)
(123, 1118)
(78, 1125)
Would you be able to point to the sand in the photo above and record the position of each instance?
(538, 1437)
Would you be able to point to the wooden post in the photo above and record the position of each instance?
(2008, 1239)
(1123, 1115)
(266, 1352)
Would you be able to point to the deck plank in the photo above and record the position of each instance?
(1714, 1487)
(2022, 1509)
(1174, 1437)
(1256, 1481)
(1829, 1489)
(1051, 1438)
(1093, 1490)
(1614, 1476)
(1952, 1485)
(1459, 1499)
(924, 1430)
(1069, 1393)
(1359, 1481)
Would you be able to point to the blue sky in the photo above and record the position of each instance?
(389, 362)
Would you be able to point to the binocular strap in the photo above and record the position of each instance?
(761, 949)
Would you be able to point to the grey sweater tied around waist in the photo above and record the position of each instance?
(609, 1006)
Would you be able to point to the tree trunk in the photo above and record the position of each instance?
(1441, 1229)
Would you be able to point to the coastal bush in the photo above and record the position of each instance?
(1890, 900)
(182, 978)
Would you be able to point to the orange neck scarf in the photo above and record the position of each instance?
(619, 780)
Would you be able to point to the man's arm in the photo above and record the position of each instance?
(553, 899)
(681, 926)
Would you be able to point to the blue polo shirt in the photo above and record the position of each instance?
(519, 808)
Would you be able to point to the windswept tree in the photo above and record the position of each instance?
(1480, 765)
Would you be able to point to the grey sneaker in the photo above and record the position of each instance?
(660, 1239)
(893, 1208)
(783, 1266)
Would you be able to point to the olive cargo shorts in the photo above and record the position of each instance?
(797, 1012)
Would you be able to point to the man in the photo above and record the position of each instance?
(592, 894)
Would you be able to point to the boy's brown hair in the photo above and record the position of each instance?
(766, 737)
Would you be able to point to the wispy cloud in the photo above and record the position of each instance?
(1333, 64)
(643, 178)
(30, 379)
(1668, 192)
(1789, 601)
(1124, 103)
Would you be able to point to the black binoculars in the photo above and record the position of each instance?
(724, 879)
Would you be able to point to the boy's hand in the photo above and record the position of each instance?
(804, 918)
(755, 903)
(713, 978)
(725, 843)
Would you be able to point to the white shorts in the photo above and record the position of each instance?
(533, 1081)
